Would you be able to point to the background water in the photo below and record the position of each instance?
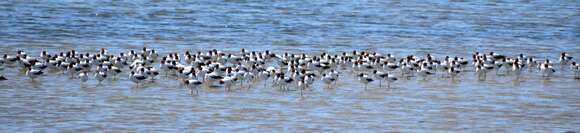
(540, 28)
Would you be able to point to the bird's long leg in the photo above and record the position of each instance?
(190, 90)
(365, 86)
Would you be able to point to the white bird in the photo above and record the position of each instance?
(8, 59)
(328, 80)
(390, 79)
(151, 72)
(212, 77)
(83, 76)
(301, 86)
(365, 79)
(547, 70)
(193, 84)
(480, 72)
(137, 77)
(453, 72)
(228, 82)
(390, 66)
(380, 75)
(33, 73)
(286, 81)
(424, 71)
(565, 58)
(100, 76)
(517, 70)
(114, 71)
(309, 79)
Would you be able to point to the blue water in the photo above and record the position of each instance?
(540, 28)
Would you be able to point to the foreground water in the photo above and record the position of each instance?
(539, 28)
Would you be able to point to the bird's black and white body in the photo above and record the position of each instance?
(565, 58)
(9, 59)
(286, 82)
(517, 68)
(480, 72)
(100, 76)
(424, 71)
(34, 73)
(328, 80)
(114, 71)
(531, 63)
(365, 79)
(390, 79)
(193, 84)
(453, 72)
(547, 70)
(380, 76)
(152, 73)
(228, 82)
(137, 78)
(84, 77)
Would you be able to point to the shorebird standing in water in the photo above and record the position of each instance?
(364, 79)
(33, 73)
(84, 77)
(193, 84)
(137, 78)
(547, 70)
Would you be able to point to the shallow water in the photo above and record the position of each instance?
(56, 103)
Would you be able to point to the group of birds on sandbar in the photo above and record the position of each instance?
(286, 71)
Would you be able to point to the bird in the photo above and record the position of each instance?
(453, 72)
(137, 77)
(531, 63)
(2, 78)
(213, 76)
(517, 68)
(547, 70)
(425, 71)
(301, 86)
(390, 66)
(480, 72)
(565, 58)
(228, 82)
(84, 77)
(328, 80)
(114, 71)
(9, 59)
(364, 79)
(100, 76)
(286, 81)
(380, 75)
(390, 79)
(309, 79)
(33, 73)
(193, 84)
(151, 72)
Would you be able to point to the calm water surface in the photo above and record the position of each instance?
(540, 28)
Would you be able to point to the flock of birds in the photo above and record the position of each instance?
(283, 71)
